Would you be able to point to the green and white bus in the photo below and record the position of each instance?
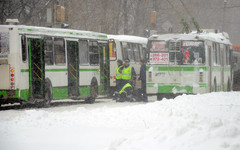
(188, 63)
(122, 47)
(38, 64)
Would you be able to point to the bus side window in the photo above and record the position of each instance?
(93, 53)
(136, 52)
(83, 52)
(130, 52)
(48, 49)
(59, 51)
(144, 53)
(124, 50)
(227, 55)
(24, 49)
(214, 54)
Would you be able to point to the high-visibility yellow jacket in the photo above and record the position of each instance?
(127, 73)
(119, 72)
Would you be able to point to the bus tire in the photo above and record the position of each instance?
(93, 93)
(48, 93)
(47, 99)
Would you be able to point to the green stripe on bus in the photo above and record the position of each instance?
(178, 89)
(63, 32)
(84, 91)
(180, 68)
(55, 70)
(171, 84)
(24, 94)
(88, 69)
(3, 93)
(218, 69)
(60, 93)
(30, 67)
(59, 70)
(102, 36)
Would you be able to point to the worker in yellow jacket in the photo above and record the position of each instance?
(128, 81)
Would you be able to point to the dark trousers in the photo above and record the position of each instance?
(119, 85)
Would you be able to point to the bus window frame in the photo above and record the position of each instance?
(53, 56)
(8, 45)
(136, 51)
(203, 63)
(88, 62)
(216, 52)
(130, 48)
(124, 53)
(227, 55)
(65, 52)
(23, 37)
(114, 47)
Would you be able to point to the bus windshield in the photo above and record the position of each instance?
(176, 53)
(4, 44)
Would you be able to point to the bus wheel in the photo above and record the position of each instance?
(48, 93)
(47, 99)
(93, 95)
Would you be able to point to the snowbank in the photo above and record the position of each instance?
(209, 121)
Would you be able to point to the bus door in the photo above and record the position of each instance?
(73, 68)
(104, 67)
(36, 68)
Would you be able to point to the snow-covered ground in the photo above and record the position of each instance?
(188, 122)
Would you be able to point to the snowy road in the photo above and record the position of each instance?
(209, 121)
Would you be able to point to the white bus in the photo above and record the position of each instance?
(188, 63)
(38, 64)
(123, 47)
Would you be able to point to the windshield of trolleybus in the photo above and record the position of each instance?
(4, 44)
(176, 53)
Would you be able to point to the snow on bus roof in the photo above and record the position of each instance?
(128, 38)
(217, 37)
(57, 32)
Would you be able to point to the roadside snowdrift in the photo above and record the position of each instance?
(208, 121)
